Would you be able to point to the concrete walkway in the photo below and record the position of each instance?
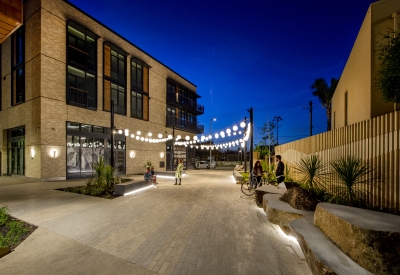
(204, 226)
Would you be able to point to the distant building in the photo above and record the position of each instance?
(356, 99)
(60, 72)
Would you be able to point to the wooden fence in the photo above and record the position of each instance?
(375, 141)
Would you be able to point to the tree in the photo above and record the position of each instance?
(325, 93)
(388, 80)
(267, 143)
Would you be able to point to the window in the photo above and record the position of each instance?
(118, 95)
(114, 79)
(345, 109)
(81, 72)
(137, 105)
(140, 90)
(17, 67)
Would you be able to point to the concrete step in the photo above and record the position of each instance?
(370, 238)
(322, 256)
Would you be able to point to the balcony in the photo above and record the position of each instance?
(184, 125)
(184, 103)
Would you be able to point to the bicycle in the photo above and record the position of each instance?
(249, 185)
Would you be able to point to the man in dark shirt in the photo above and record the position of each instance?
(280, 169)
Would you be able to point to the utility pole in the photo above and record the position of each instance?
(277, 118)
(245, 153)
(310, 109)
(251, 138)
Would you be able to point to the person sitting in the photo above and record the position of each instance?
(147, 175)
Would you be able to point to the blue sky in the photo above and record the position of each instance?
(241, 54)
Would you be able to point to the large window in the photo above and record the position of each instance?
(114, 79)
(17, 67)
(139, 90)
(81, 72)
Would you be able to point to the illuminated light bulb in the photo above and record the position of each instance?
(228, 131)
(187, 138)
(235, 128)
(132, 135)
(178, 137)
(242, 124)
(119, 131)
(142, 138)
(216, 135)
(195, 138)
(159, 135)
(138, 132)
(169, 136)
(137, 137)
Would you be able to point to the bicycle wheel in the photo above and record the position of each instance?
(247, 188)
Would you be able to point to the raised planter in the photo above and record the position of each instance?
(370, 238)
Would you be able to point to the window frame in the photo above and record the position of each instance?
(89, 67)
(18, 66)
(139, 90)
(109, 80)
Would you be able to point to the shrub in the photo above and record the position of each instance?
(16, 229)
(313, 173)
(352, 176)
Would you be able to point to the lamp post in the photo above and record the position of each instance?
(211, 120)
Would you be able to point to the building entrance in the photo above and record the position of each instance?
(16, 151)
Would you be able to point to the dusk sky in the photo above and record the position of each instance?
(241, 54)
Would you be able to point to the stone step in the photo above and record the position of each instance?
(370, 238)
(281, 213)
(322, 256)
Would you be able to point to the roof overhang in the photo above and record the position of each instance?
(10, 17)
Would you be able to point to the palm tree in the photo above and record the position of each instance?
(325, 93)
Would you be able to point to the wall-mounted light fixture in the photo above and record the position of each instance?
(162, 155)
(132, 155)
(32, 153)
(54, 154)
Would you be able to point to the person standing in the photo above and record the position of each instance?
(257, 171)
(178, 173)
(280, 169)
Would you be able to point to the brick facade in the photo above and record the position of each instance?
(45, 111)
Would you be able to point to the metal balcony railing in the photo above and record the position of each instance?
(185, 125)
(184, 103)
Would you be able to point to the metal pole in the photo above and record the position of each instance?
(251, 139)
(245, 153)
(210, 141)
(310, 118)
(112, 133)
(172, 146)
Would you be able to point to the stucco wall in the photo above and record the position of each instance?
(359, 75)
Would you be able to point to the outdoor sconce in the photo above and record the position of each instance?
(54, 154)
(162, 155)
(132, 155)
(32, 153)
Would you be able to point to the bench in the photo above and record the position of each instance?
(129, 186)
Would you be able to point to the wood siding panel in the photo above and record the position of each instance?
(376, 141)
(107, 61)
(107, 96)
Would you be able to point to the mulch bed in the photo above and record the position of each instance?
(4, 230)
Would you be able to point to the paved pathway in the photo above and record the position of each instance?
(204, 226)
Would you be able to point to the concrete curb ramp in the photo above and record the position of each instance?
(53, 256)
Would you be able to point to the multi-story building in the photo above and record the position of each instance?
(61, 71)
(356, 97)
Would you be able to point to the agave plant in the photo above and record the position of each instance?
(312, 172)
(352, 173)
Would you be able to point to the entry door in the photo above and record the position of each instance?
(16, 161)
